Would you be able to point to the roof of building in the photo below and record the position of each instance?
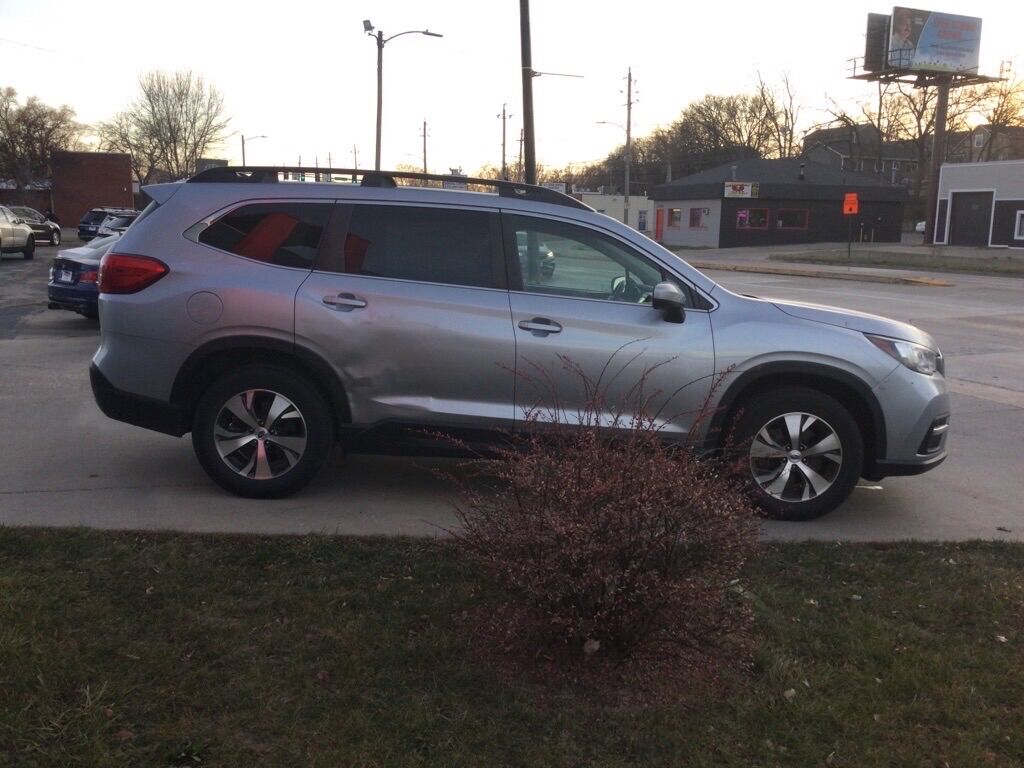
(781, 179)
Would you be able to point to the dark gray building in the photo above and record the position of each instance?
(981, 204)
(774, 202)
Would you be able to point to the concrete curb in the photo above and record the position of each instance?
(863, 277)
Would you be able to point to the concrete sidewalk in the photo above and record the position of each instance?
(894, 263)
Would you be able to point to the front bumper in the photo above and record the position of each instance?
(917, 415)
(135, 409)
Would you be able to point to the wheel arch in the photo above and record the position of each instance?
(215, 358)
(849, 390)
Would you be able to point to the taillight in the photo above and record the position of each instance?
(88, 277)
(125, 273)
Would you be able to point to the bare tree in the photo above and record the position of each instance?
(29, 135)
(1002, 107)
(781, 113)
(176, 119)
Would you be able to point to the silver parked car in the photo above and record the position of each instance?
(16, 235)
(273, 320)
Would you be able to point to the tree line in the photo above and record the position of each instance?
(178, 118)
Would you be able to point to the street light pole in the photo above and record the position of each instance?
(381, 42)
(251, 138)
(504, 118)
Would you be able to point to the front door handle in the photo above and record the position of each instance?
(344, 302)
(540, 326)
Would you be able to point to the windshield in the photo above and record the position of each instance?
(94, 217)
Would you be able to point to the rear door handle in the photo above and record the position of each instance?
(344, 302)
(540, 326)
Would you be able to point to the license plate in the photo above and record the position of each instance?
(66, 276)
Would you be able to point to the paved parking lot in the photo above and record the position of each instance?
(64, 463)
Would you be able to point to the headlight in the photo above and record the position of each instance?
(914, 356)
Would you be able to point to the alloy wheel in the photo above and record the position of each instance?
(796, 457)
(260, 434)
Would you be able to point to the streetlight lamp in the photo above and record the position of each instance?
(251, 138)
(381, 41)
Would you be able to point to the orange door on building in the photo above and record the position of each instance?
(659, 224)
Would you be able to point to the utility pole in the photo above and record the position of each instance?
(355, 161)
(504, 117)
(629, 128)
(519, 169)
(380, 94)
(938, 155)
(527, 67)
(424, 145)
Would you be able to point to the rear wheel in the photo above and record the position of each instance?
(29, 251)
(803, 452)
(55, 237)
(262, 432)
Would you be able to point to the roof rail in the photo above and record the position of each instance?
(371, 178)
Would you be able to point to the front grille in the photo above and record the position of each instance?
(932, 442)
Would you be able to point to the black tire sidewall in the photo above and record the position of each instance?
(763, 408)
(306, 397)
(30, 249)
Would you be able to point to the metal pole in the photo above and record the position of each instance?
(938, 155)
(380, 92)
(504, 167)
(527, 64)
(424, 146)
(628, 158)
(519, 171)
(243, 149)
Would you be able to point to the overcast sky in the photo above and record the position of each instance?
(303, 73)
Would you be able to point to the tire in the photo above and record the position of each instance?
(233, 411)
(55, 237)
(812, 477)
(29, 251)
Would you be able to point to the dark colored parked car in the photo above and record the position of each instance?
(46, 231)
(73, 277)
(89, 225)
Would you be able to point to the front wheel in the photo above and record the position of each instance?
(29, 251)
(55, 237)
(262, 432)
(803, 452)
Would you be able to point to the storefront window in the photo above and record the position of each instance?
(791, 218)
(752, 218)
(675, 217)
(696, 218)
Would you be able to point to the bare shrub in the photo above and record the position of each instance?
(609, 543)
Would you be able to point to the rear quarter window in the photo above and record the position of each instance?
(285, 234)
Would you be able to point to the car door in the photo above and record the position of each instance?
(409, 305)
(590, 326)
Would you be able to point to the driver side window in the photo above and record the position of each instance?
(567, 260)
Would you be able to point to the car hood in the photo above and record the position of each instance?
(856, 321)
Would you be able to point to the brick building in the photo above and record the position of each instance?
(84, 180)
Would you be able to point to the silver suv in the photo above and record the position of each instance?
(273, 320)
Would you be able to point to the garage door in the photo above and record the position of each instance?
(970, 218)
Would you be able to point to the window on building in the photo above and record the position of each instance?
(697, 218)
(979, 140)
(286, 234)
(1018, 231)
(431, 245)
(791, 218)
(895, 165)
(752, 218)
(675, 217)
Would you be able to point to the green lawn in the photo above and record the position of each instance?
(159, 650)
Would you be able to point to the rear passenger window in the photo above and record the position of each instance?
(286, 234)
(434, 245)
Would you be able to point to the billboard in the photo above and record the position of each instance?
(923, 41)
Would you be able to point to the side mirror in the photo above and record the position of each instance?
(669, 299)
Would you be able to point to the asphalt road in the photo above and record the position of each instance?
(64, 463)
